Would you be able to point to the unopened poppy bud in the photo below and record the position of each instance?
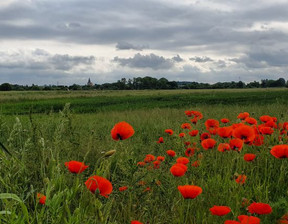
(109, 153)
(46, 180)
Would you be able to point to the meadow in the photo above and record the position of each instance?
(44, 130)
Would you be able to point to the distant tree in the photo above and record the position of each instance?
(5, 87)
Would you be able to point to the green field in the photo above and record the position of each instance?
(42, 134)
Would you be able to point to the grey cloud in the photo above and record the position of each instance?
(66, 62)
(145, 61)
(122, 45)
(200, 59)
(177, 58)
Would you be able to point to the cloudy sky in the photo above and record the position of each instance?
(67, 41)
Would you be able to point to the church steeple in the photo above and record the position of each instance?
(89, 83)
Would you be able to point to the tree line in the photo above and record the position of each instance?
(148, 82)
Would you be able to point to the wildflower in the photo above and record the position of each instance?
(169, 131)
(122, 131)
(225, 132)
(241, 179)
(182, 160)
(211, 123)
(196, 163)
(225, 120)
(208, 143)
(190, 191)
(249, 157)
(186, 126)
(266, 130)
(205, 135)
(160, 140)
(251, 120)
(223, 147)
(244, 132)
(178, 169)
(149, 158)
(189, 152)
(41, 198)
(156, 164)
(187, 143)
(181, 135)
(259, 208)
(103, 185)
(147, 189)
(160, 158)
(124, 188)
(243, 116)
(171, 153)
(220, 210)
(280, 151)
(245, 219)
(75, 166)
(193, 133)
(231, 222)
(141, 164)
(236, 144)
(136, 222)
(266, 118)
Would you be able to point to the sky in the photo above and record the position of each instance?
(62, 42)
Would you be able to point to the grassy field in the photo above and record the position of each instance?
(42, 134)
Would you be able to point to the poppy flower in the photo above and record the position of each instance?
(194, 120)
(205, 135)
(225, 120)
(181, 135)
(259, 208)
(188, 113)
(193, 133)
(271, 124)
(244, 132)
(169, 131)
(280, 151)
(186, 126)
(211, 123)
(156, 164)
(220, 210)
(243, 116)
(245, 219)
(141, 164)
(187, 143)
(149, 158)
(223, 147)
(160, 158)
(178, 170)
(266, 130)
(231, 222)
(182, 160)
(225, 132)
(124, 188)
(171, 153)
(75, 166)
(190, 191)
(160, 140)
(136, 222)
(266, 118)
(196, 163)
(236, 144)
(197, 114)
(251, 120)
(249, 157)
(41, 198)
(103, 185)
(241, 179)
(122, 131)
(189, 152)
(208, 143)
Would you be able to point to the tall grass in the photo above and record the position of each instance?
(41, 143)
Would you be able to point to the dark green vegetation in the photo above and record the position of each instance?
(98, 101)
(41, 143)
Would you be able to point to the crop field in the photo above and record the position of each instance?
(151, 157)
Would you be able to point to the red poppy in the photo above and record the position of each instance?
(193, 133)
(266, 130)
(266, 118)
(171, 153)
(160, 140)
(181, 135)
(178, 170)
(197, 114)
(223, 147)
(182, 160)
(208, 143)
(249, 157)
(196, 163)
(187, 143)
(149, 158)
(194, 120)
(205, 135)
(225, 132)
(75, 166)
(243, 116)
(245, 219)
(141, 164)
(225, 120)
(136, 222)
(156, 164)
(236, 144)
(220, 210)
(122, 131)
(124, 188)
(241, 179)
(160, 158)
(103, 185)
(211, 123)
(41, 198)
(259, 140)
(189, 152)
(251, 120)
(231, 222)
(190, 191)
(259, 208)
(244, 132)
(186, 126)
(271, 124)
(280, 151)
(169, 131)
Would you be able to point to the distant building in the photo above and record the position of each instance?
(89, 83)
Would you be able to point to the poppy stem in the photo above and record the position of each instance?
(5, 149)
